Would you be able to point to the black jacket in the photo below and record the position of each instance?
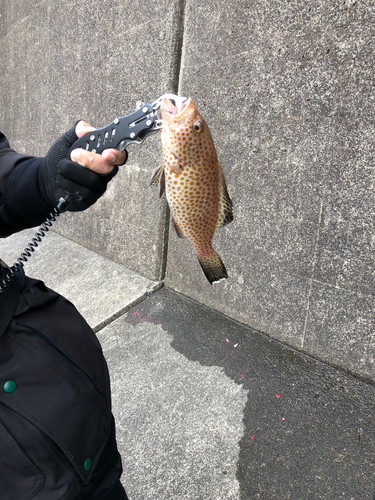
(56, 427)
(23, 201)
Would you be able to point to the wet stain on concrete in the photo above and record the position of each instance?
(309, 428)
(178, 422)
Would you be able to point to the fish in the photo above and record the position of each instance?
(194, 183)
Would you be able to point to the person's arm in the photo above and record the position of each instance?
(30, 187)
(19, 175)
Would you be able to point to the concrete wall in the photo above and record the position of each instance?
(288, 91)
(66, 60)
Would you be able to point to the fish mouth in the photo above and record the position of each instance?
(170, 109)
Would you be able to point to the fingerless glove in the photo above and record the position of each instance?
(62, 176)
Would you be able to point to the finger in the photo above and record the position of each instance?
(114, 156)
(82, 128)
(92, 161)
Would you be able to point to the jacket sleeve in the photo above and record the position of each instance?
(23, 201)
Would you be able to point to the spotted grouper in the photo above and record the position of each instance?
(194, 183)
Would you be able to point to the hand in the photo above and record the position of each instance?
(83, 180)
(102, 164)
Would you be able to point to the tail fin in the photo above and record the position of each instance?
(213, 267)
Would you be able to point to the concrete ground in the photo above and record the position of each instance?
(205, 407)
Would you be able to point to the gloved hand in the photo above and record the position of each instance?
(84, 185)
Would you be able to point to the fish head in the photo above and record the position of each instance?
(185, 134)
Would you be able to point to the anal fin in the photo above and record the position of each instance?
(178, 230)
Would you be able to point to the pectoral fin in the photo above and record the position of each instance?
(158, 179)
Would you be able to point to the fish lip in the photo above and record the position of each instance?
(168, 107)
(185, 105)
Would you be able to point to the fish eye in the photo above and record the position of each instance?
(197, 126)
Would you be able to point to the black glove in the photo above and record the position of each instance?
(62, 176)
(83, 185)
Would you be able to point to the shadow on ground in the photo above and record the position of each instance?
(309, 428)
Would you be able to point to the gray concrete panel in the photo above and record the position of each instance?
(345, 253)
(340, 328)
(287, 90)
(100, 289)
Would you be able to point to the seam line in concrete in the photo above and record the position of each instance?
(165, 244)
(175, 84)
(180, 55)
(179, 43)
(151, 289)
(312, 275)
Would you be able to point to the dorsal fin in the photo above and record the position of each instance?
(225, 203)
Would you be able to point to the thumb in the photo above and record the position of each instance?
(82, 128)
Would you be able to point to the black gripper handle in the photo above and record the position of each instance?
(127, 128)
